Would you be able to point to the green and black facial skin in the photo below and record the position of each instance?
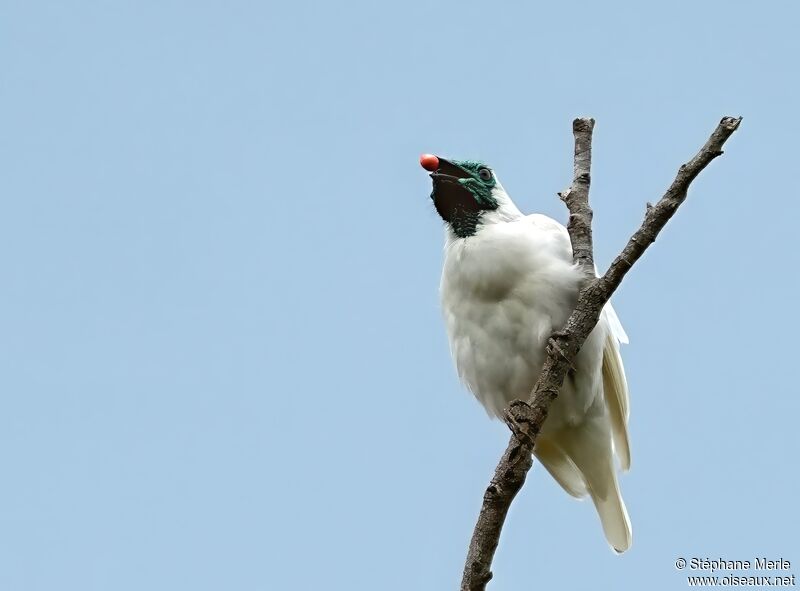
(462, 192)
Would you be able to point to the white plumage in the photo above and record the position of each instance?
(504, 290)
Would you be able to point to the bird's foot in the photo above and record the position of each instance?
(519, 418)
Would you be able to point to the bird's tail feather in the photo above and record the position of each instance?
(586, 450)
(560, 466)
(613, 516)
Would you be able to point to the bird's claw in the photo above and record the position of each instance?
(517, 417)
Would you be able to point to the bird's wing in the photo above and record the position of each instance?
(557, 234)
(614, 325)
(615, 386)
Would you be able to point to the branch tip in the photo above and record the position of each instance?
(582, 124)
(732, 123)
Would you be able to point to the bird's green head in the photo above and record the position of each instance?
(463, 191)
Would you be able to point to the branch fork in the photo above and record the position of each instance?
(525, 418)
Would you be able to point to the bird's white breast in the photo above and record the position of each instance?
(504, 291)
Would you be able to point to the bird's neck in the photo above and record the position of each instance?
(465, 223)
(468, 223)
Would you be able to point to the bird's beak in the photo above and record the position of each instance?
(442, 169)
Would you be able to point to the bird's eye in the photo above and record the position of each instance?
(485, 174)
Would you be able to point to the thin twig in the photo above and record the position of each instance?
(577, 197)
(526, 418)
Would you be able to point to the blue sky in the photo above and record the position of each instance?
(223, 364)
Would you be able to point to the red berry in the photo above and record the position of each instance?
(429, 162)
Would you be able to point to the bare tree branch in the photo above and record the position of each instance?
(577, 197)
(526, 418)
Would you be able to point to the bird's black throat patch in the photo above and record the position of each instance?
(460, 197)
(456, 206)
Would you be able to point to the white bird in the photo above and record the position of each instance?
(508, 283)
